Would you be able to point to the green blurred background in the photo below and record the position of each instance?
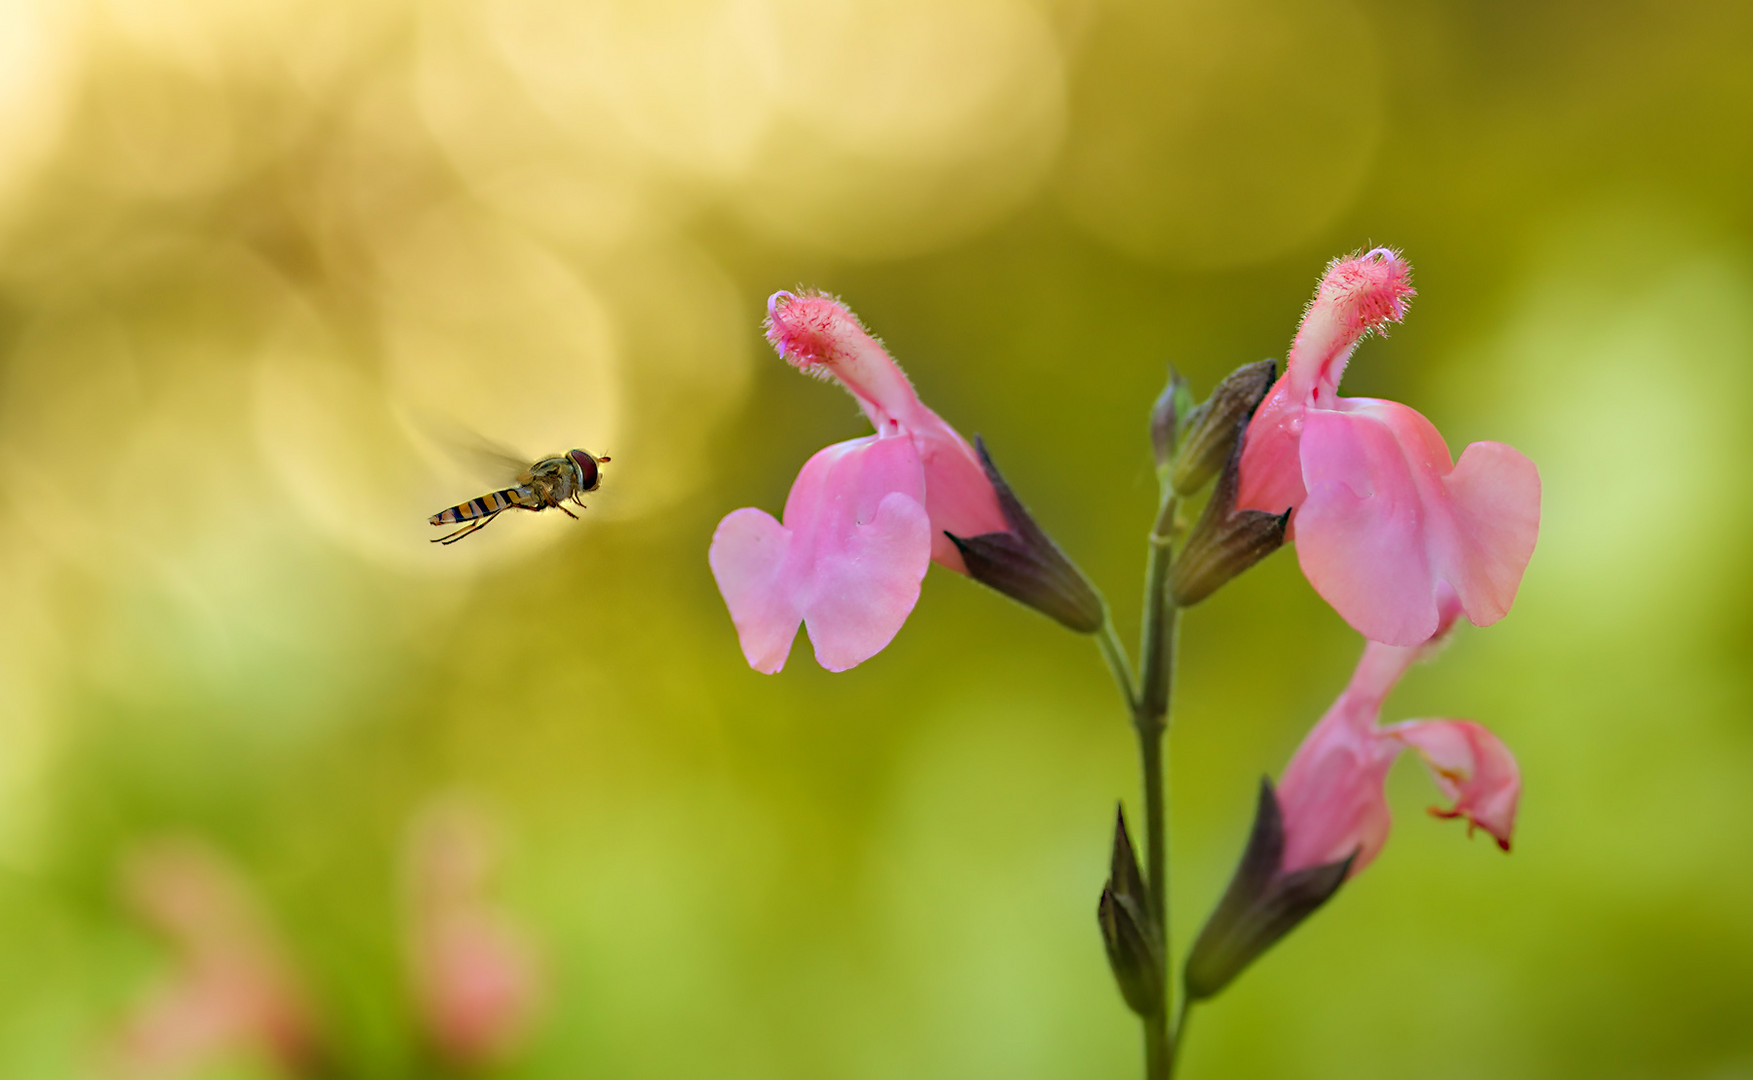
(253, 255)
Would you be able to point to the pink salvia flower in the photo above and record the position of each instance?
(864, 518)
(1385, 523)
(233, 995)
(475, 977)
(1332, 796)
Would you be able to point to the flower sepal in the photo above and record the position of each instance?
(1211, 431)
(1262, 904)
(1226, 541)
(1135, 951)
(1025, 564)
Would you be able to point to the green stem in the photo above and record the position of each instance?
(1177, 1034)
(1149, 700)
(1108, 640)
(1150, 719)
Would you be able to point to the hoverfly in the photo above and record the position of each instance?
(549, 482)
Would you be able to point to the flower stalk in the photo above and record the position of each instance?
(1150, 720)
(1149, 700)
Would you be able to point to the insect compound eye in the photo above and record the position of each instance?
(587, 468)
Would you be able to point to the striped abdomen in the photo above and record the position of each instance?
(490, 503)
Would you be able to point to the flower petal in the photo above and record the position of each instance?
(1331, 794)
(1496, 493)
(1388, 521)
(1271, 466)
(1471, 766)
(958, 495)
(848, 560)
(750, 555)
(1361, 533)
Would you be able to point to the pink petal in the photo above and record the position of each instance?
(958, 496)
(1472, 767)
(233, 992)
(476, 979)
(1271, 466)
(476, 982)
(1331, 794)
(848, 561)
(750, 558)
(1385, 525)
(1361, 532)
(1496, 493)
(820, 334)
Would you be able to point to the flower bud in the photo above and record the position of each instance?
(1026, 565)
(1134, 947)
(1168, 417)
(1261, 905)
(1225, 542)
(1214, 428)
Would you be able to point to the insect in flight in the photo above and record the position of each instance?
(549, 482)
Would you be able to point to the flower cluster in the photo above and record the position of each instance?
(1398, 536)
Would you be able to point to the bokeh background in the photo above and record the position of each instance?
(259, 264)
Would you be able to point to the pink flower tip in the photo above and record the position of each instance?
(1367, 291)
(812, 329)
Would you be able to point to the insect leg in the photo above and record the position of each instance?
(567, 512)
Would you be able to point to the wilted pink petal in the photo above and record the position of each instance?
(475, 978)
(820, 335)
(1385, 523)
(1472, 767)
(232, 995)
(848, 560)
(1332, 796)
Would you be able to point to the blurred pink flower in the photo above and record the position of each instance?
(864, 518)
(475, 978)
(1384, 519)
(1332, 796)
(233, 994)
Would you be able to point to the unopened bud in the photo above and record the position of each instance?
(1026, 565)
(1128, 932)
(1168, 417)
(1215, 427)
(1225, 542)
(1261, 905)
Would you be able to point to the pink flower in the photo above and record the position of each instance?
(1384, 521)
(864, 518)
(233, 994)
(475, 978)
(1332, 795)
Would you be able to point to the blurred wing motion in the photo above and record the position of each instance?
(490, 459)
(481, 457)
(549, 482)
